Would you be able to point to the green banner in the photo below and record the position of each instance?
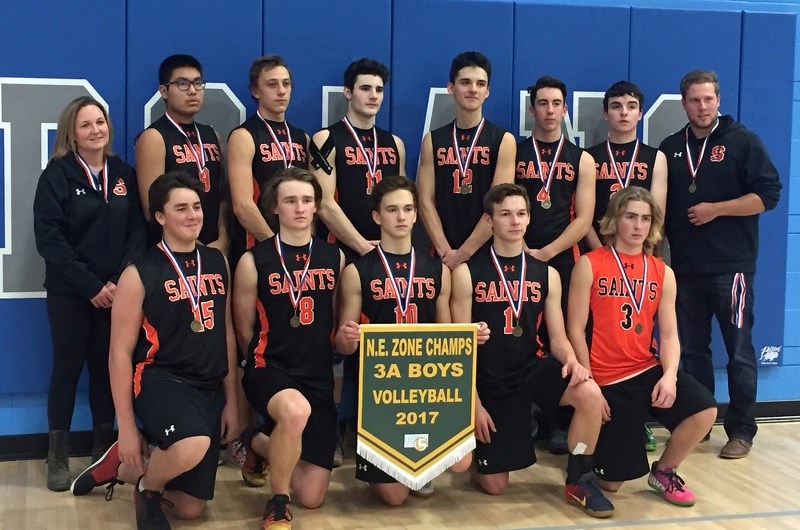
(416, 403)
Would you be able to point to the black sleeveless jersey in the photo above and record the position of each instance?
(266, 162)
(167, 346)
(378, 297)
(304, 352)
(353, 181)
(459, 198)
(505, 361)
(180, 158)
(549, 223)
(606, 183)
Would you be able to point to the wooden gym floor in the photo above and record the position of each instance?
(761, 491)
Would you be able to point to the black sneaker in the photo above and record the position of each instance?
(149, 511)
(587, 494)
(276, 514)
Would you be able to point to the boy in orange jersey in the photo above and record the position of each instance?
(625, 287)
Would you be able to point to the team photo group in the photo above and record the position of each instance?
(211, 290)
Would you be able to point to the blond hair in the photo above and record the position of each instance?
(616, 208)
(65, 132)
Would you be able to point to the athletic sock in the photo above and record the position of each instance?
(577, 466)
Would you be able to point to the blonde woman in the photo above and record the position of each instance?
(88, 226)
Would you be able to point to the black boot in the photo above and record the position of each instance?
(58, 478)
(104, 437)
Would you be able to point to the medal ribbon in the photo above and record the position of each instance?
(294, 292)
(402, 305)
(287, 160)
(372, 166)
(194, 298)
(516, 306)
(692, 167)
(463, 164)
(637, 305)
(627, 180)
(546, 182)
(94, 183)
(200, 159)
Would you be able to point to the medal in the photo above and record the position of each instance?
(287, 158)
(544, 194)
(373, 175)
(692, 167)
(637, 304)
(402, 301)
(463, 163)
(93, 182)
(196, 324)
(295, 292)
(199, 159)
(515, 305)
(623, 183)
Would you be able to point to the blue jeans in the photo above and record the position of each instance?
(730, 298)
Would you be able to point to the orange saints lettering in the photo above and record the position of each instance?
(210, 284)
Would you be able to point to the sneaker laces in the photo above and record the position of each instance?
(672, 481)
(277, 510)
(110, 488)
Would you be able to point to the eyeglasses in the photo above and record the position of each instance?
(183, 84)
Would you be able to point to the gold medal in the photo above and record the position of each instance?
(295, 321)
(692, 187)
(546, 204)
(464, 189)
(638, 328)
(197, 326)
(517, 331)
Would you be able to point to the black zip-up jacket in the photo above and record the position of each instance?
(735, 163)
(85, 241)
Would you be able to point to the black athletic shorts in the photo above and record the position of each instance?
(513, 447)
(620, 453)
(172, 410)
(319, 436)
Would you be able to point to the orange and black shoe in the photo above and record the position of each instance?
(254, 468)
(276, 514)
